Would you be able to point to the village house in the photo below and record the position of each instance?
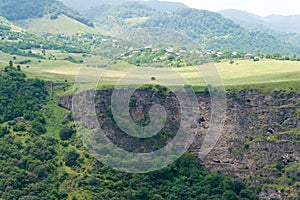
(248, 56)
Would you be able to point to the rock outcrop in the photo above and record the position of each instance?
(260, 141)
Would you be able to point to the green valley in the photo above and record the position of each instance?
(52, 52)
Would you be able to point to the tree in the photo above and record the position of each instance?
(276, 55)
(255, 59)
(37, 127)
(66, 133)
(3, 131)
(71, 158)
(229, 195)
(19, 127)
(248, 194)
(238, 186)
(142, 194)
(227, 54)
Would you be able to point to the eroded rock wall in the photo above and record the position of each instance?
(260, 141)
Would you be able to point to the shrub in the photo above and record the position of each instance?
(71, 158)
(19, 127)
(229, 195)
(66, 133)
(3, 131)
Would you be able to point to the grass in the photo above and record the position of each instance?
(259, 72)
(55, 116)
(56, 71)
(244, 74)
(61, 25)
(281, 74)
(8, 23)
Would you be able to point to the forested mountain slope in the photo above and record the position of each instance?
(215, 32)
(186, 27)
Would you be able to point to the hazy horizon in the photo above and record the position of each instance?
(262, 8)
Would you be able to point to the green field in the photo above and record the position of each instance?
(245, 73)
(284, 74)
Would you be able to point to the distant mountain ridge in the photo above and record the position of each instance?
(84, 5)
(165, 5)
(279, 23)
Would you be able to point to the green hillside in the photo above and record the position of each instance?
(6, 23)
(123, 11)
(26, 9)
(212, 31)
(61, 25)
(120, 17)
(186, 27)
(16, 41)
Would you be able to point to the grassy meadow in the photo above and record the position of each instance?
(243, 73)
(61, 25)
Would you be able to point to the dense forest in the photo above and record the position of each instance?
(124, 11)
(186, 27)
(215, 32)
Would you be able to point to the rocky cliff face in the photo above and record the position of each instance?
(260, 142)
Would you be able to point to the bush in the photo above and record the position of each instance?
(71, 158)
(38, 128)
(3, 131)
(229, 195)
(19, 127)
(66, 133)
